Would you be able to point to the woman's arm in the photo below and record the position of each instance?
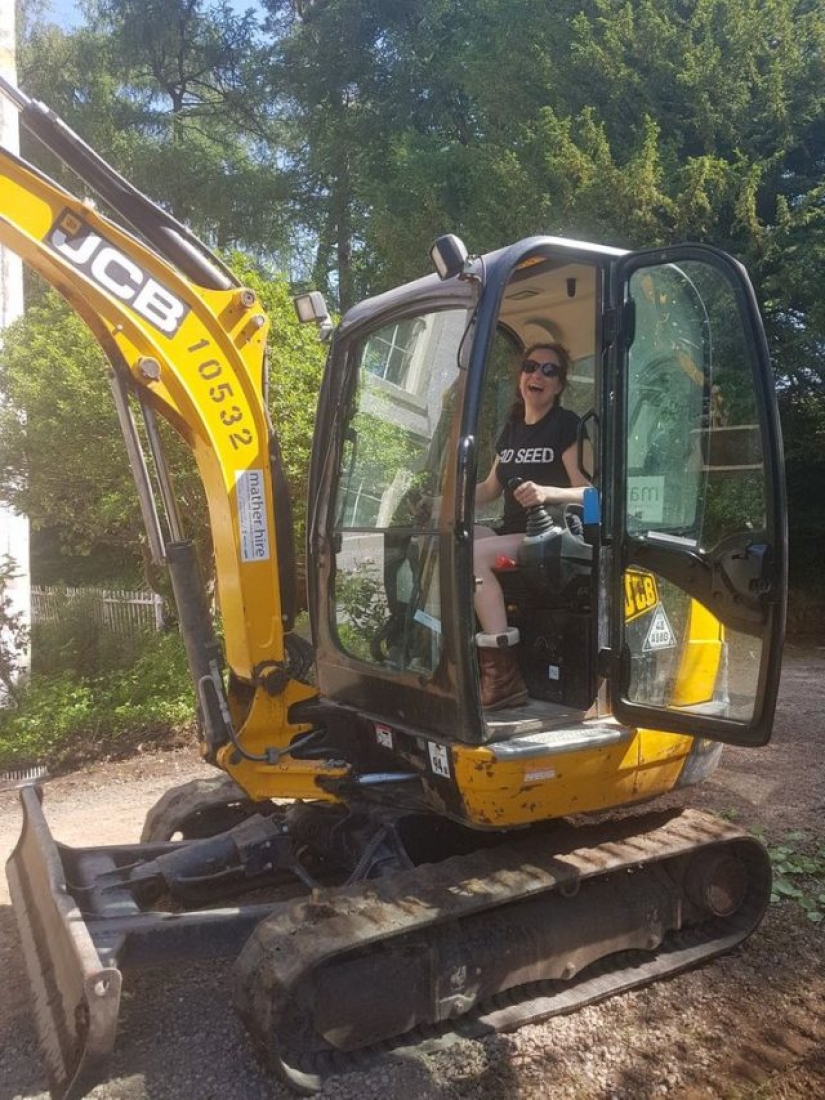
(570, 458)
(529, 493)
(490, 488)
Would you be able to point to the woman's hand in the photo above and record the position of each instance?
(528, 494)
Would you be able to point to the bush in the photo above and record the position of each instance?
(13, 637)
(79, 644)
(363, 609)
(64, 719)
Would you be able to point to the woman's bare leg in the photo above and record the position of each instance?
(489, 599)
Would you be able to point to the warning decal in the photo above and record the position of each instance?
(660, 635)
(439, 759)
(383, 736)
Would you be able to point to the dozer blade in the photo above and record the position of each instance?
(76, 997)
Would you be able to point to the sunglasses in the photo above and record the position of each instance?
(549, 370)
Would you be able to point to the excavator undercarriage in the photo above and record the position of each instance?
(335, 915)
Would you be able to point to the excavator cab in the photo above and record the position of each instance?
(385, 834)
(661, 608)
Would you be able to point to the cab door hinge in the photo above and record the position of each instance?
(620, 318)
(609, 325)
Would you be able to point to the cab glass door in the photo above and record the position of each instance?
(699, 528)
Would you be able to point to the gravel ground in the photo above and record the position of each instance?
(749, 1024)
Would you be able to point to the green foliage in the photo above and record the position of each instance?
(58, 408)
(51, 710)
(13, 635)
(732, 504)
(163, 88)
(64, 719)
(77, 644)
(339, 138)
(362, 609)
(803, 427)
(799, 873)
(62, 458)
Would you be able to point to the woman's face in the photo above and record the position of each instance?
(538, 390)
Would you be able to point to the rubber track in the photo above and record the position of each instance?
(194, 799)
(277, 964)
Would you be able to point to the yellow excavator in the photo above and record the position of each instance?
(387, 859)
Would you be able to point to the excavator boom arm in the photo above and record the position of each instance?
(188, 343)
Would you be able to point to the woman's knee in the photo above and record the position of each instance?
(485, 551)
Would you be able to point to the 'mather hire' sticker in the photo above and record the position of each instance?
(249, 493)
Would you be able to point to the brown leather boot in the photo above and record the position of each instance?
(501, 680)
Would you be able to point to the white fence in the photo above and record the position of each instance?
(123, 611)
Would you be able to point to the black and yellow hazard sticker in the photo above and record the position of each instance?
(640, 593)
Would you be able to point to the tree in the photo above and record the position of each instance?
(58, 412)
(62, 458)
(632, 122)
(324, 67)
(160, 88)
(14, 636)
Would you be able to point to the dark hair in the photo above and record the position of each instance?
(565, 363)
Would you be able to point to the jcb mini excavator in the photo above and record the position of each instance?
(399, 861)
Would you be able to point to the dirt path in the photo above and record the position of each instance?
(750, 1024)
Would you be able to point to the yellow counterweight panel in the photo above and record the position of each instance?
(701, 661)
(662, 755)
(661, 759)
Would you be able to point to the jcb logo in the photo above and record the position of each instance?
(97, 258)
(640, 593)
